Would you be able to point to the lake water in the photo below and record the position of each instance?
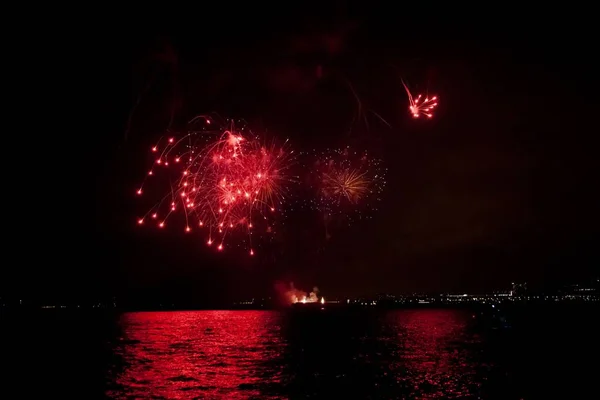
(407, 354)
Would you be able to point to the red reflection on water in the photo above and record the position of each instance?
(434, 354)
(204, 354)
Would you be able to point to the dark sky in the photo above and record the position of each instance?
(500, 186)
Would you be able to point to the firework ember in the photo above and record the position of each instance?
(418, 107)
(345, 182)
(223, 181)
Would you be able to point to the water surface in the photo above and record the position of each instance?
(408, 354)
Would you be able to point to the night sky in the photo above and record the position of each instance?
(500, 186)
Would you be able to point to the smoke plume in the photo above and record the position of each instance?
(291, 295)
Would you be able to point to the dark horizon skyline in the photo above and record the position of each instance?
(499, 186)
(276, 297)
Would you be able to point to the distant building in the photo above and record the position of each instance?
(581, 290)
(518, 289)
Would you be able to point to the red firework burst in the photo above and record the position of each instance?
(224, 181)
(418, 107)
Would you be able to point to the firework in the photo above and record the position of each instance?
(418, 107)
(345, 183)
(224, 181)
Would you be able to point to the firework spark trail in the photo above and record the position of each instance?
(167, 60)
(416, 107)
(225, 181)
(360, 113)
(346, 183)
